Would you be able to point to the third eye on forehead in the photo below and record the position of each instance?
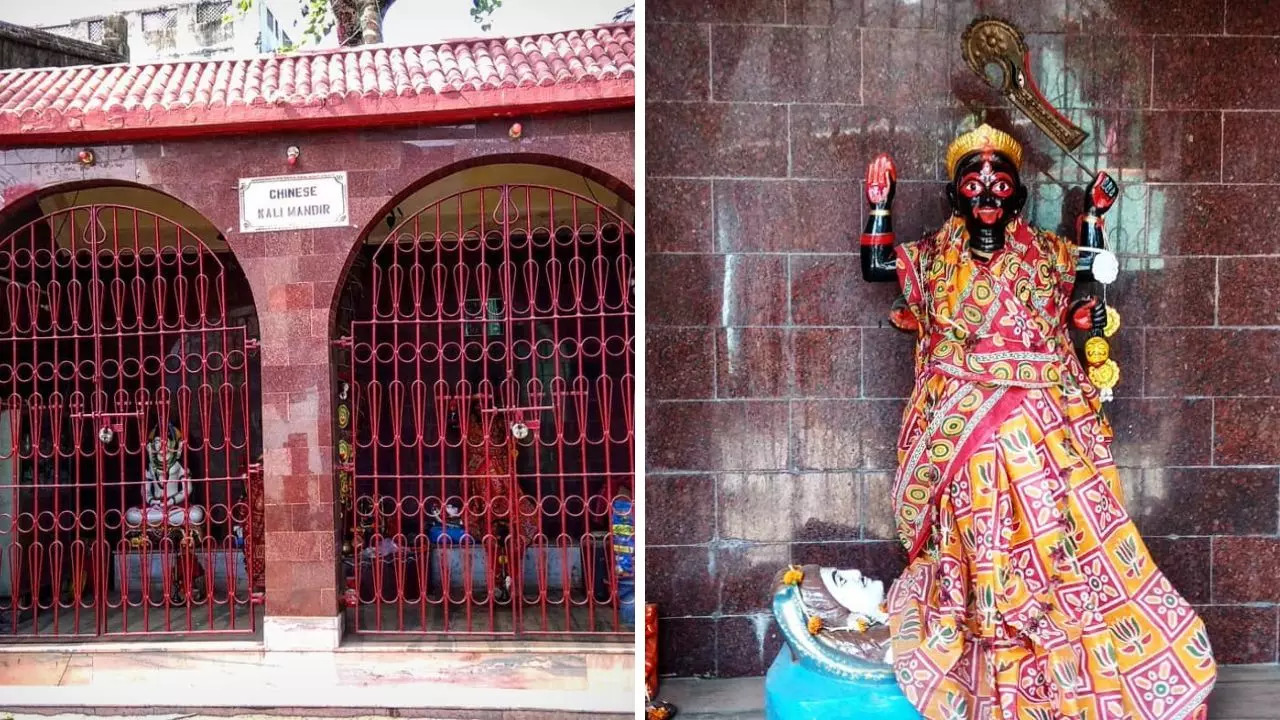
(973, 162)
(972, 184)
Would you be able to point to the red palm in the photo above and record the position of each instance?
(881, 178)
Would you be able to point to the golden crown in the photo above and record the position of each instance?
(980, 138)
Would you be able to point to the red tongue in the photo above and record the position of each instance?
(989, 215)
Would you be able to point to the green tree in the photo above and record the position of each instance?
(359, 22)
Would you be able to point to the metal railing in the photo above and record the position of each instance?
(130, 499)
(485, 419)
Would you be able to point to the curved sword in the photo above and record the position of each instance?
(990, 42)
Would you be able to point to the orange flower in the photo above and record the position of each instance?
(861, 625)
(793, 575)
(815, 625)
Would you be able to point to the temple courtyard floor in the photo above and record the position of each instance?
(1244, 692)
(482, 682)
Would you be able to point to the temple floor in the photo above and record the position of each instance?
(1243, 692)
(537, 681)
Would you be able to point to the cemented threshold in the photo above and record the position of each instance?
(592, 683)
(1243, 692)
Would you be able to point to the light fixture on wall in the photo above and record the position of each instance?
(516, 131)
(291, 155)
(394, 217)
(86, 158)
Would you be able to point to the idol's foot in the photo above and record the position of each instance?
(658, 710)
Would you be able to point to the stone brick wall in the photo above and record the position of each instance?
(23, 47)
(294, 277)
(775, 386)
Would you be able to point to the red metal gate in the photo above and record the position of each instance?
(484, 419)
(129, 489)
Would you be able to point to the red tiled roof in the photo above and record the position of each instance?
(450, 81)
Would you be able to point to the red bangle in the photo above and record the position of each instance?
(877, 239)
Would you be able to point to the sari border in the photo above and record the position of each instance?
(993, 409)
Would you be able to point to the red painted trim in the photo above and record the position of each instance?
(987, 427)
(1035, 89)
(49, 127)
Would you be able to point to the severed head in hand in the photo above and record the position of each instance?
(843, 610)
(855, 592)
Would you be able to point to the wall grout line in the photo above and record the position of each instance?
(1222, 147)
(935, 29)
(1213, 429)
(1151, 77)
(855, 177)
(790, 146)
(1213, 547)
(1217, 284)
(821, 326)
(1137, 109)
(862, 67)
(711, 64)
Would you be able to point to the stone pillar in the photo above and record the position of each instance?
(370, 23)
(300, 516)
(115, 34)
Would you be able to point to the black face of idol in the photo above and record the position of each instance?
(987, 192)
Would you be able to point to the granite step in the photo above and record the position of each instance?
(1243, 692)
(500, 683)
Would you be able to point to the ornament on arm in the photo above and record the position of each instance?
(876, 243)
(1097, 263)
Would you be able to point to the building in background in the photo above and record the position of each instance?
(22, 47)
(164, 30)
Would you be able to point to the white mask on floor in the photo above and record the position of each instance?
(856, 593)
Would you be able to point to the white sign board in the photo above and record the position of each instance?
(293, 202)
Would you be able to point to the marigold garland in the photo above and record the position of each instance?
(815, 625)
(793, 576)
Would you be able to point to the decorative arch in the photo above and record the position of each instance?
(484, 394)
(130, 420)
(587, 172)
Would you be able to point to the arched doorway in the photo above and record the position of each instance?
(484, 394)
(130, 491)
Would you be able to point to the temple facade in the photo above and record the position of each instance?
(304, 350)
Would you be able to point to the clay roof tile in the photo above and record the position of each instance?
(59, 100)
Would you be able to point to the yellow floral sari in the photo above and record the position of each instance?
(1029, 594)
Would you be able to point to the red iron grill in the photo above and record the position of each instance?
(484, 418)
(116, 322)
